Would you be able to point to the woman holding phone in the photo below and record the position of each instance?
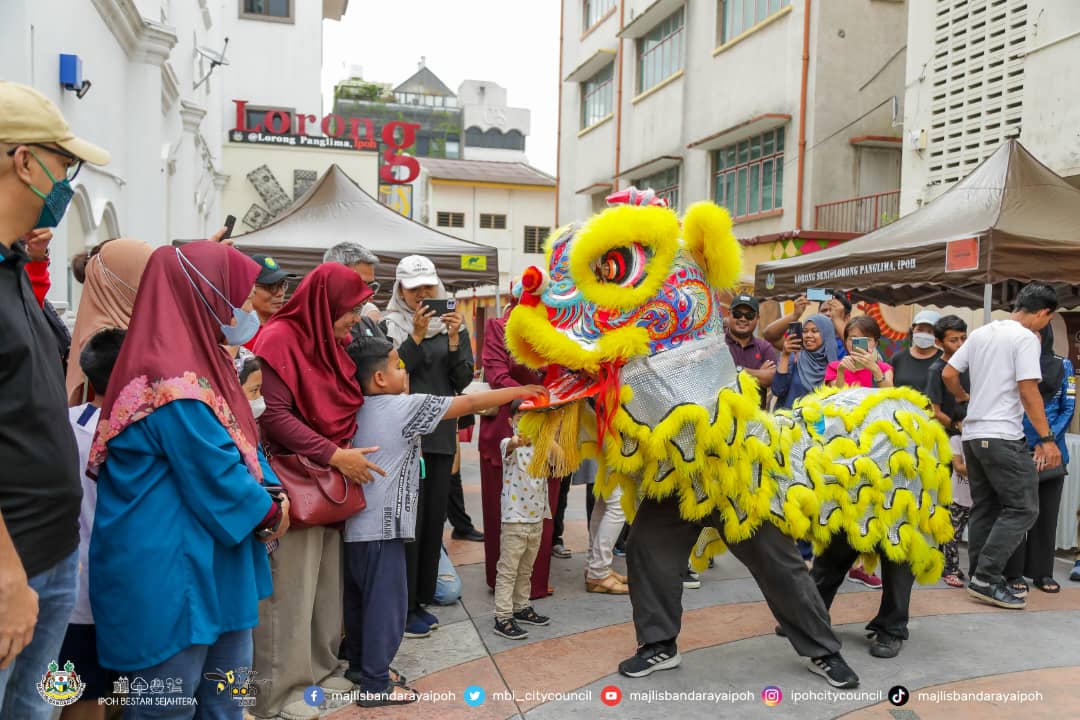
(435, 348)
(861, 367)
(808, 349)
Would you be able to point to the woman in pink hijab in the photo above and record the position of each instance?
(112, 280)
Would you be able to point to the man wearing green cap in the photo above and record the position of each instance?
(40, 490)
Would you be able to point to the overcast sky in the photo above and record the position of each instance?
(514, 43)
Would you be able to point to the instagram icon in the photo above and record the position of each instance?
(772, 696)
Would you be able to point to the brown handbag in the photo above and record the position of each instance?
(318, 494)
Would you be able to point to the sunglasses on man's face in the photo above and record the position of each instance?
(743, 314)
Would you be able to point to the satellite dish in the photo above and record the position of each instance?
(215, 59)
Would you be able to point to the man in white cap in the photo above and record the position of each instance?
(40, 490)
(911, 367)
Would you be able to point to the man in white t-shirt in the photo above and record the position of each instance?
(1003, 361)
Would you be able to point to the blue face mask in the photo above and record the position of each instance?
(247, 321)
(56, 202)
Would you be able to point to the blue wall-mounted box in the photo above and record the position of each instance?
(71, 71)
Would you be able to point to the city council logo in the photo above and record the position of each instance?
(61, 687)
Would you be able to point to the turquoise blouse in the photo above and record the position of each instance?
(173, 558)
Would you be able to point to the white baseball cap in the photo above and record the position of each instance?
(27, 117)
(416, 270)
(928, 317)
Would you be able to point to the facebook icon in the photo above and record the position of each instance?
(314, 696)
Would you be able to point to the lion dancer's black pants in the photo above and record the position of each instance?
(831, 567)
(657, 551)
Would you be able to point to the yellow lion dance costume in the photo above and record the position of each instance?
(626, 318)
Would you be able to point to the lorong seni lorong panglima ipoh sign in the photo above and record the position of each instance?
(337, 134)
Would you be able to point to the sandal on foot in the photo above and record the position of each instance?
(953, 581)
(1017, 586)
(388, 697)
(609, 585)
(1047, 584)
(396, 678)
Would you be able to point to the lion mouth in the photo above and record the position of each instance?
(566, 386)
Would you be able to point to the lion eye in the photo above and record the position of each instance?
(623, 266)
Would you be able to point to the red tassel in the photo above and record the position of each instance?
(607, 400)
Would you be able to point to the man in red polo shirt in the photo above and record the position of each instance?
(752, 354)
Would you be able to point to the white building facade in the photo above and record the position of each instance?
(771, 108)
(275, 140)
(982, 71)
(506, 205)
(164, 133)
(493, 130)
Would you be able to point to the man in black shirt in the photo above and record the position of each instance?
(40, 490)
(951, 332)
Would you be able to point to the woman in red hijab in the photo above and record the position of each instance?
(312, 397)
(177, 558)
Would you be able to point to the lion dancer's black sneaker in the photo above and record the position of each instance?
(650, 658)
(835, 670)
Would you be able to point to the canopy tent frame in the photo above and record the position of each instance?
(1010, 221)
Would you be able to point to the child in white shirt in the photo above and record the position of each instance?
(960, 510)
(524, 509)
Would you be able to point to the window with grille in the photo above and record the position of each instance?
(492, 222)
(596, 97)
(450, 219)
(748, 177)
(593, 11)
(279, 10)
(660, 52)
(535, 237)
(664, 183)
(738, 16)
(977, 83)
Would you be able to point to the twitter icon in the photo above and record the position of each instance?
(475, 696)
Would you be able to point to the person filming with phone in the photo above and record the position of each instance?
(808, 349)
(428, 334)
(861, 367)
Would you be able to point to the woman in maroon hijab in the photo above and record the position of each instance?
(312, 398)
(177, 560)
(500, 371)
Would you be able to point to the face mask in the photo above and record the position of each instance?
(923, 340)
(247, 322)
(258, 407)
(56, 202)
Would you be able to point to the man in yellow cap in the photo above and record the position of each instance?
(39, 483)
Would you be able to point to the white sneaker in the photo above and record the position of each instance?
(692, 581)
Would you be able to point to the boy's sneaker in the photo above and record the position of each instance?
(691, 580)
(835, 670)
(416, 628)
(995, 594)
(509, 629)
(431, 620)
(858, 575)
(531, 617)
(620, 551)
(650, 658)
(1075, 574)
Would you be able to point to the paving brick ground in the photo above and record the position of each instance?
(964, 660)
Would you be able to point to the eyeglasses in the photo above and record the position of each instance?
(743, 314)
(278, 287)
(374, 285)
(70, 172)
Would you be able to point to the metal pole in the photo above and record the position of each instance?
(988, 299)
